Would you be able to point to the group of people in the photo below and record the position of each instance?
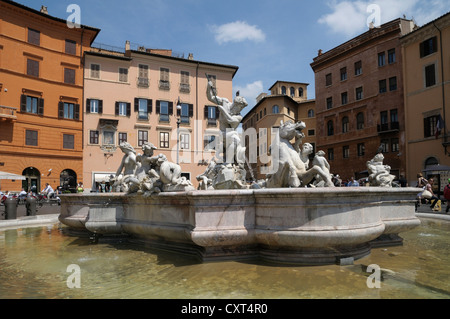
(427, 192)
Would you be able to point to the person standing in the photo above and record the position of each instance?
(447, 195)
(352, 183)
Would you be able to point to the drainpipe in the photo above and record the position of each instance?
(443, 86)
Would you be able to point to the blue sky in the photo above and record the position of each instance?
(268, 40)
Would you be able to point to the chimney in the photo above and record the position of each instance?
(190, 56)
(127, 45)
(320, 52)
(44, 9)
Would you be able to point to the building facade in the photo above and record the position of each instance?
(287, 101)
(41, 91)
(426, 67)
(148, 96)
(359, 101)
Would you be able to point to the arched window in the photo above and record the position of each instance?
(330, 128)
(345, 124)
(431, 161)
(68, 180)
(360, 121)
(275, 109)
(292, 92)
(310, 113)
(283, 90)
(300, 92)
(33, 180)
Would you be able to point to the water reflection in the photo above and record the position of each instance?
(34, 261)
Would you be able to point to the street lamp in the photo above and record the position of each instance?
(178, 129)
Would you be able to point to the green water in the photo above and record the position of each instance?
(34, 261)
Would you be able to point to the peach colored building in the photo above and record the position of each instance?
(426, 53)
(41, 90)
(287, 101)
(133, 95)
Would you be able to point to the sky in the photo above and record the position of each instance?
(269, 40)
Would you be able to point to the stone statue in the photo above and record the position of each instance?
(206, 179)
(292, 170)
(147, 172)
(379, 174)
(125, 175)
(320, 161)
(307, 149)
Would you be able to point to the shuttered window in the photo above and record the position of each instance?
(68, 141)
(31, 138)
(71, 47)
(34, 37)
(69, 76)
(33, 67)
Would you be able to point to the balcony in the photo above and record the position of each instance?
(388, 127)
(7, 112)
(143, 82)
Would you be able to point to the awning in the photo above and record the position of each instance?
(437, 168)
(11, 176)
(98, 178)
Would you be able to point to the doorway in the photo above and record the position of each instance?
(32, 180)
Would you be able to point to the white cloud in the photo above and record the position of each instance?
(238, 31)
(251, 91)
(350, 17)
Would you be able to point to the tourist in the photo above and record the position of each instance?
(403, 182)
(352, 182)
(80, 188)
(447, 195)
(434, 199)
(421, 181)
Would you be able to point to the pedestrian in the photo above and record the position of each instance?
(421, 181)
(447, 195)
(80, 188)
(434, 199)
(403, 182)
(352, 182)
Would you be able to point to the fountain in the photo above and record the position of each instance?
(295, 215)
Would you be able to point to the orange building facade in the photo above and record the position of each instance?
(41, 93)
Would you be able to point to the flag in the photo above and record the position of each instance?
(439, 126)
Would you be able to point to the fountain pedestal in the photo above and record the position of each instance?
(303, 225)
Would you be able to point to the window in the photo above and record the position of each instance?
(164, 139)
(384, 121)
(346, 152)
(391, 56)
(184, 82)
(31, 104)
(142, 138)
(345, 124)
(360, 121)
(430, 75)
(68, 110)
(265, 111)
(210, 142)
(385, 146)
(428, 47)
(69, 76)
(395, 146)
(185, 112)
(329, 103)
(143, 79)
(108, 138)
(429, 124)
(358, 68)
(381, 59)
(71, 47)
(328, 80)
(68, 141)
(359, 93)
(164, 79)
(383, 86)
(292, 91)
(300, 92)
(31, 138)
(142, 108)
(123, 75)
(211, 113)
(330, 128)
(93, 137)
(361, 149)
(343, 74)
(184, 141)
(275, 109)
(33, 67)
(95, 71)
(310, 113)
(164, 111)
(123, 109)
(34, 37)
(93, 106)
(393, 83)
(311, 132)
(344, 98)
(123, 137)
(330, 154)
(394, 120)
(283, 90)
